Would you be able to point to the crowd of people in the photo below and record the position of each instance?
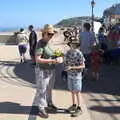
(109, 41)
(85, 53)
(107, 44)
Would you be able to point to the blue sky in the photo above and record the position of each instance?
(21, 13)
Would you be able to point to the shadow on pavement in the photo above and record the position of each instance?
(16, 108)
(110, 110)
(26, 72)
(17, 74)
(109, 82)
(105, 100)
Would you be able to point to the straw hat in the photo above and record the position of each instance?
(48, 28)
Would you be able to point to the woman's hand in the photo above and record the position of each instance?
(68, 68)
(59, 59)
(54, 61)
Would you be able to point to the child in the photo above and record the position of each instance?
(74, 62)
(96, 57)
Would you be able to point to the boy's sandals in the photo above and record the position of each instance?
(71, 108)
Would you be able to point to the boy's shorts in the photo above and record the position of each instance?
(22, 49)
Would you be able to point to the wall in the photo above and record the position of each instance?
(7, 39)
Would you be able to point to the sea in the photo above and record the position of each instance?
(8, 29)
(14, 29)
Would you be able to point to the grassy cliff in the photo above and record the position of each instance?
(75, 21)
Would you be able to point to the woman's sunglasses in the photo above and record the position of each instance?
(50, 34)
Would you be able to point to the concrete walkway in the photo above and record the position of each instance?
(17, 90)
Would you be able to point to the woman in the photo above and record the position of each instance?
(45, 71)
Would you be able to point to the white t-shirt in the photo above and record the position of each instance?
(22, 38)
(86, 41)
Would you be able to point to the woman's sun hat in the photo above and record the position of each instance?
(48, 28)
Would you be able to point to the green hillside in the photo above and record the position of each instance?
(75, 21)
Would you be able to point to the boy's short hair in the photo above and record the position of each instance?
(77, 44)
(30, 27)
(87, 26)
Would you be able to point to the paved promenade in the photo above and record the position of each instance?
(17, 90)
(100, 99)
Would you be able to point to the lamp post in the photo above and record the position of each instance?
(92, 5)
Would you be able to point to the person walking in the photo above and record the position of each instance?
(32, 43)
(74, 64)
(22, 40)
(45, 71)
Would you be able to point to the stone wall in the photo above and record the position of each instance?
(8, 39)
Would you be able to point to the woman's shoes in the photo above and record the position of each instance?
(52, 108)
(42, 113)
